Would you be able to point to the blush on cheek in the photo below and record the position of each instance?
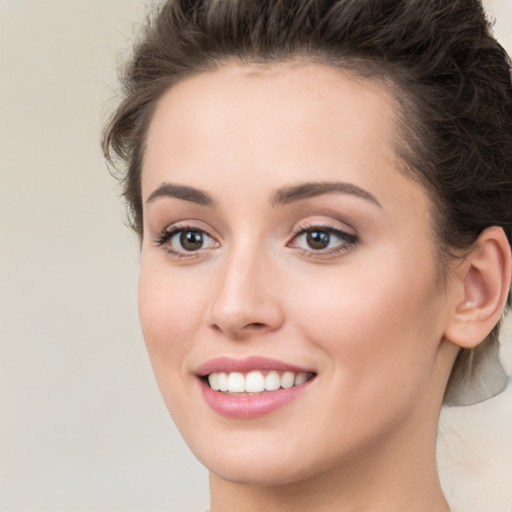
(159, 316)
(170, 311)
(158, 313)
(371, 322)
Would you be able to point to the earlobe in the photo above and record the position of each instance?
(484, 277)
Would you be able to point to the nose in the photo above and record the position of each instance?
(245, 302)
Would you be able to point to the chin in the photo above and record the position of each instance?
(258, 472)
(260, 458)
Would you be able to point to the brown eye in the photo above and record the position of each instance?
(185, 241)
(317, 239)
(323, 241)
(191, 240)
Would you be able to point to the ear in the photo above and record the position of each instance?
(482, 283)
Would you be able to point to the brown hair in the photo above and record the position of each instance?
(452, 81)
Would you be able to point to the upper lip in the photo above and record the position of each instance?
(229, 364)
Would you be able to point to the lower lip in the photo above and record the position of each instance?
(250, 406)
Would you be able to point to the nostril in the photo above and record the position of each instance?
(255, 325)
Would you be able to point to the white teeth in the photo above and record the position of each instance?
(255, 381)
(213, 380)
(272, 381)
(300, 378)
(236, 382)
(287, 380)
(223, 381)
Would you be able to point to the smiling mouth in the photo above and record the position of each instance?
(256, 381)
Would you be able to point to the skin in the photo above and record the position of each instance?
(369, 318)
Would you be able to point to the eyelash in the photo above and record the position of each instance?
(348, 241)
(167, 235)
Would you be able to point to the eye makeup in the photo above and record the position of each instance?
(311, 239)
(191, 239)
(322, 240)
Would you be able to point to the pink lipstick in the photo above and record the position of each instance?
(251, 387)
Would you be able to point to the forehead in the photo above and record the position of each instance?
(254, 125)
(311, 96)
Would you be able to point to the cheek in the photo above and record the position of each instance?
(378, 325)
(170, 312)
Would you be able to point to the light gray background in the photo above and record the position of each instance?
(82, 425)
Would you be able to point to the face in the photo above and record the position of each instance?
(288, 288)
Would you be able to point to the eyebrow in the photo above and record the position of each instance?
(303, 191)
(191, 194)
(281, 197)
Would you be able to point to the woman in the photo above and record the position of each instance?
(322, 190)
